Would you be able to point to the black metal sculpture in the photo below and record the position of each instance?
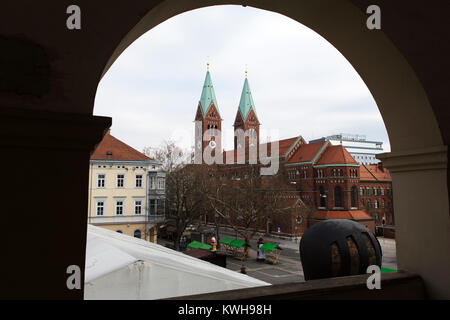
(338, 247)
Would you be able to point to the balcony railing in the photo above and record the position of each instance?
(126, 219)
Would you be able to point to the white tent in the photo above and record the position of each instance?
(122, 267)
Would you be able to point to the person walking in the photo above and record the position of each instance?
(259, 253)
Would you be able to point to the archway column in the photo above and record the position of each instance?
(422, 219)
(45, 164)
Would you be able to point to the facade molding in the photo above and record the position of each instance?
(434, 158)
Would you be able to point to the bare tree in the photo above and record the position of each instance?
(185, 185)
(186, 191)
(169, 154)
(247, 203)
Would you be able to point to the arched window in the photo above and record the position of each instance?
(353, 197)
(338, 196)
(137, 233)
(119, 231)
(322, 197)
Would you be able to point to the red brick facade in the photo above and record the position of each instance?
(322, 181)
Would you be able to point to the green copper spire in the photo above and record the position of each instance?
(246, 103)
(208, 95)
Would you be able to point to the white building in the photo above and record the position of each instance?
(362, 150)
(126, 190)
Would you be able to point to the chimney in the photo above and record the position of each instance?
(380, 166)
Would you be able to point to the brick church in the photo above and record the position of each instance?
(322, 180)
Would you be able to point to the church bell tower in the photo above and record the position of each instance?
(208, 122)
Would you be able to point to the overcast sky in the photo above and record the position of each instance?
(301, 85)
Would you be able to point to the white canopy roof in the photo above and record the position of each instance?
(122, 267)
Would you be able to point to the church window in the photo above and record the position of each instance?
(353, 197)
(322, 197)
(338, 196)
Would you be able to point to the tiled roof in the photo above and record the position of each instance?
(336, 155)
(283, 147)
(372, 172)
(111, 148)
(350, 214)
(306, 152)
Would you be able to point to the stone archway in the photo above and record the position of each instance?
(34, 122)
(417, 146)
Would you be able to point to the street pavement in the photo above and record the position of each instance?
(289, 268)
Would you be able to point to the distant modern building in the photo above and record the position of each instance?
(126, 190)
(362, 150)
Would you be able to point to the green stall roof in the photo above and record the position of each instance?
(387, 270)
(199, 245)
(226, 241)
(237, 244)
(270, 247)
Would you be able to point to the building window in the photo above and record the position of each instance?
(137, 234)
(375, 193)
(361, 191)
(368, 204)
(353, 197)
(161, 183)
(382, 204)
(382, 191)
(322, 197)
(101, 180)
(137, 206)
(120, 180)
(100, 208)
(338, 197)
(152, 207)
(119, 207)
(375, 204)
(139, 181)
(152, 183)
(368, 191)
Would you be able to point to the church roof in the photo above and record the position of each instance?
(373, 172)
(307, 152)
(208, 95)
(350, 214)
(111, 148)
(336, 155)
(246, 103)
